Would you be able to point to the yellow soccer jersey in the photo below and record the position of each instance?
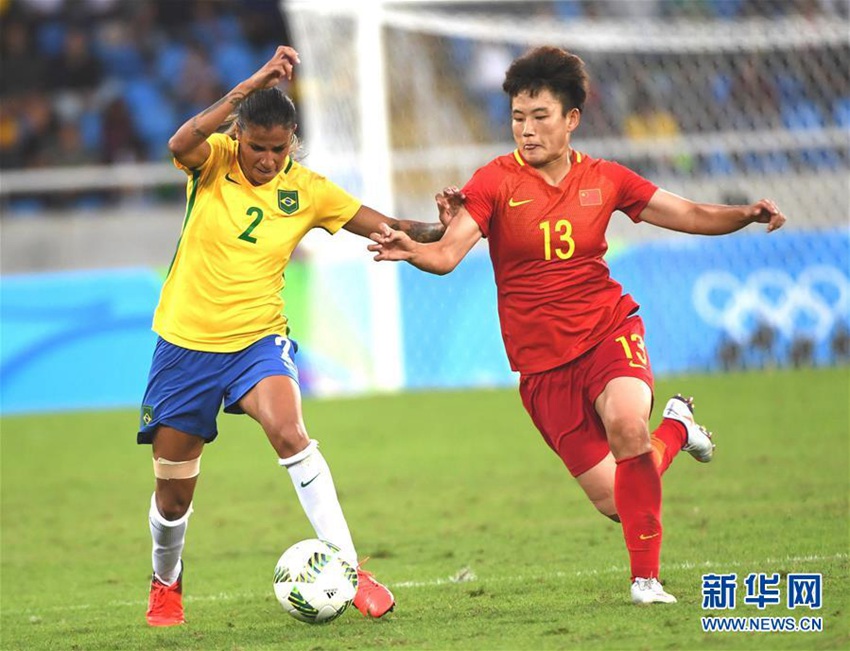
(223, 289)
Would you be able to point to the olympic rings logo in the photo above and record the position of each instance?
(809, 305)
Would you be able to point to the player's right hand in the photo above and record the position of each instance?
(390, 244)
(276, 69)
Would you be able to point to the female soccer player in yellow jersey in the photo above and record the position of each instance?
(222, 335)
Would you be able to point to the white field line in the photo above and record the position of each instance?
(618, 569)
(463, 576)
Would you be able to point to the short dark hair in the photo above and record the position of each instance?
(267, 108)
(552, 68)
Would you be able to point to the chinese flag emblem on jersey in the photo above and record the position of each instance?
(590, 197)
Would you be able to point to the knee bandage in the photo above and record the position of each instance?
(166, 469)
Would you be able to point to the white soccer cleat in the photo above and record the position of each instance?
(699, 444)
(650, 591)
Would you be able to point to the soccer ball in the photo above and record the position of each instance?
(313, 582)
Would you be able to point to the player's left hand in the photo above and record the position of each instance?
(767, 212)
(449, 202)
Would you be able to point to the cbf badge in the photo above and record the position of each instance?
(287, 201)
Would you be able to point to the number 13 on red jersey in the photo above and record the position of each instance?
(634, 349)
(563, 231)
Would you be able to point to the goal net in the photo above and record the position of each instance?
(715, 108)
(720, 101)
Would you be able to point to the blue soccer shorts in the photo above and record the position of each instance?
(186, 388)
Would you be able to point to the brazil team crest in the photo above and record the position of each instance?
(287, 201)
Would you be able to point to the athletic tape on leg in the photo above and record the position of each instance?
(166, 469)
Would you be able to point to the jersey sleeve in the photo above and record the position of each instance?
(634, 191)
(221, 148)
(334, 207)
(480, 193)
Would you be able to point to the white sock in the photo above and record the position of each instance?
(314, 485)
(168, 539)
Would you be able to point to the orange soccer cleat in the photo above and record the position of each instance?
(373, 599)
(165, 603)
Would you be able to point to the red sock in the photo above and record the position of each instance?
(666, 442)
(637, 495)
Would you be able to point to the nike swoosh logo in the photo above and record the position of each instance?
(645, 537)
(670, 413)
(227, 176)
(304, 484)
(514, 204)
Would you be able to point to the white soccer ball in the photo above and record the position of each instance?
(313, 582)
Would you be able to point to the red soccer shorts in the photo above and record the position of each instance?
(560, 401)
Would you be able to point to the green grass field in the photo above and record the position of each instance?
(434, 485)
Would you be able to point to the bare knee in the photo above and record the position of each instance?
(628, 437)
(174, 497)
(176, 466)
(287, 438)
(173, 510)
(624, 407)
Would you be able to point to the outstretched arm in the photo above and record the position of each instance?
(189, 143)
(438, 257)
(368, 220)
(678, 214)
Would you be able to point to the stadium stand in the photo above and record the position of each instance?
(106, 81)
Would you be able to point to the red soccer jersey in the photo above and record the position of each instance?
(555, 293)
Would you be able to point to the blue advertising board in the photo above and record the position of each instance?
(82, 340)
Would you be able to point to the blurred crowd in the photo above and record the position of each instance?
(108, 81)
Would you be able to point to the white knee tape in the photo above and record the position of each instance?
(300, 456)
(166, 469)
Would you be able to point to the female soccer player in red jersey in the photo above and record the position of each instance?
(569, 329)
(222, 335)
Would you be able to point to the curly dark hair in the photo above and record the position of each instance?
(552, 68)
